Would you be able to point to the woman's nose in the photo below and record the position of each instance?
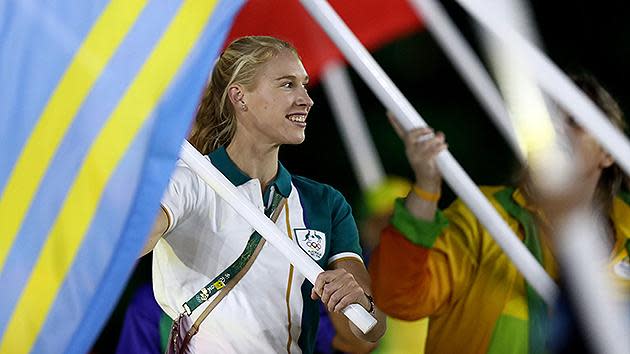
(305, 100)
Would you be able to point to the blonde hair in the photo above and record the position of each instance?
(215, 123)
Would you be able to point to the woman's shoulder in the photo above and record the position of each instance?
(309, 188)
(310, 184)
(183, 174)
(491, 192)
(186, 182)
(501, 197)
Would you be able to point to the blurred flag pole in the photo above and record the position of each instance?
(470, 68)
(533, 114)
(581, 250)
(579, 240)
(454, 175)
(557, 85)
(365, 161)
(370, 174)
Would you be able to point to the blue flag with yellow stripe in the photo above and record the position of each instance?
(95, 99)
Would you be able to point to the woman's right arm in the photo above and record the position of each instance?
(159, 228)
(423, 260)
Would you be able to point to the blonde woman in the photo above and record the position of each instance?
(255, 102)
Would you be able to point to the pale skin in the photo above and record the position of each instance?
(421, 147)
(269, 114)
(345, 340)
(591, 160)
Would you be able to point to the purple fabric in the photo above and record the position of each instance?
(325, 333)
(141, 329)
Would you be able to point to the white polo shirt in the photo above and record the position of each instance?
(270, 309)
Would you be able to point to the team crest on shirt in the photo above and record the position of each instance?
(313, 242)
(622, 268)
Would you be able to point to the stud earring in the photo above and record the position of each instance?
(243, 106)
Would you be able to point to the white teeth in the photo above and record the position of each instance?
(297, 118)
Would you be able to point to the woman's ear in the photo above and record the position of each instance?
(607, 160)
(235, 93)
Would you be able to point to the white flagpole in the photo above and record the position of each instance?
(470, 68)
(453, 174)
(579, 240)
(533, 114)
(354, 132)
(267, 229)
(557, 85)
(582, 253)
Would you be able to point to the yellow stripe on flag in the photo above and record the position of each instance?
(87, 65)
(105, 154)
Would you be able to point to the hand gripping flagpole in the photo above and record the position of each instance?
(470, 68)
(267, 229)
(453, 173)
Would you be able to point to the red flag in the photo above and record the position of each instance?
(374, 22)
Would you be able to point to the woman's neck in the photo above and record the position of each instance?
(258, 161)
(582, 191)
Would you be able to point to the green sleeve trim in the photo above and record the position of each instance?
(419, 232)
(625, 196)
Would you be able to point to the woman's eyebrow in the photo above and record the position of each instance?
(291, 77)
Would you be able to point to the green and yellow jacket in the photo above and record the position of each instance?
(452, 271)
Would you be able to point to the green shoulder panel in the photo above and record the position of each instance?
(326, 210)
(536, 308)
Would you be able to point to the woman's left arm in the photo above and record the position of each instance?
(346, 283)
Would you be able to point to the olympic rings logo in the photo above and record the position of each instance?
(314, 245)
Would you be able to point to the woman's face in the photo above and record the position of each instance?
(278, 104)
(590, 154)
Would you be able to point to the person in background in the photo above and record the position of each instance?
(445, 265)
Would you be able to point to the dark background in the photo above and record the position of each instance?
(576, 35)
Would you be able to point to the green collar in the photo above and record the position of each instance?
(222, 161)
(513, 202)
